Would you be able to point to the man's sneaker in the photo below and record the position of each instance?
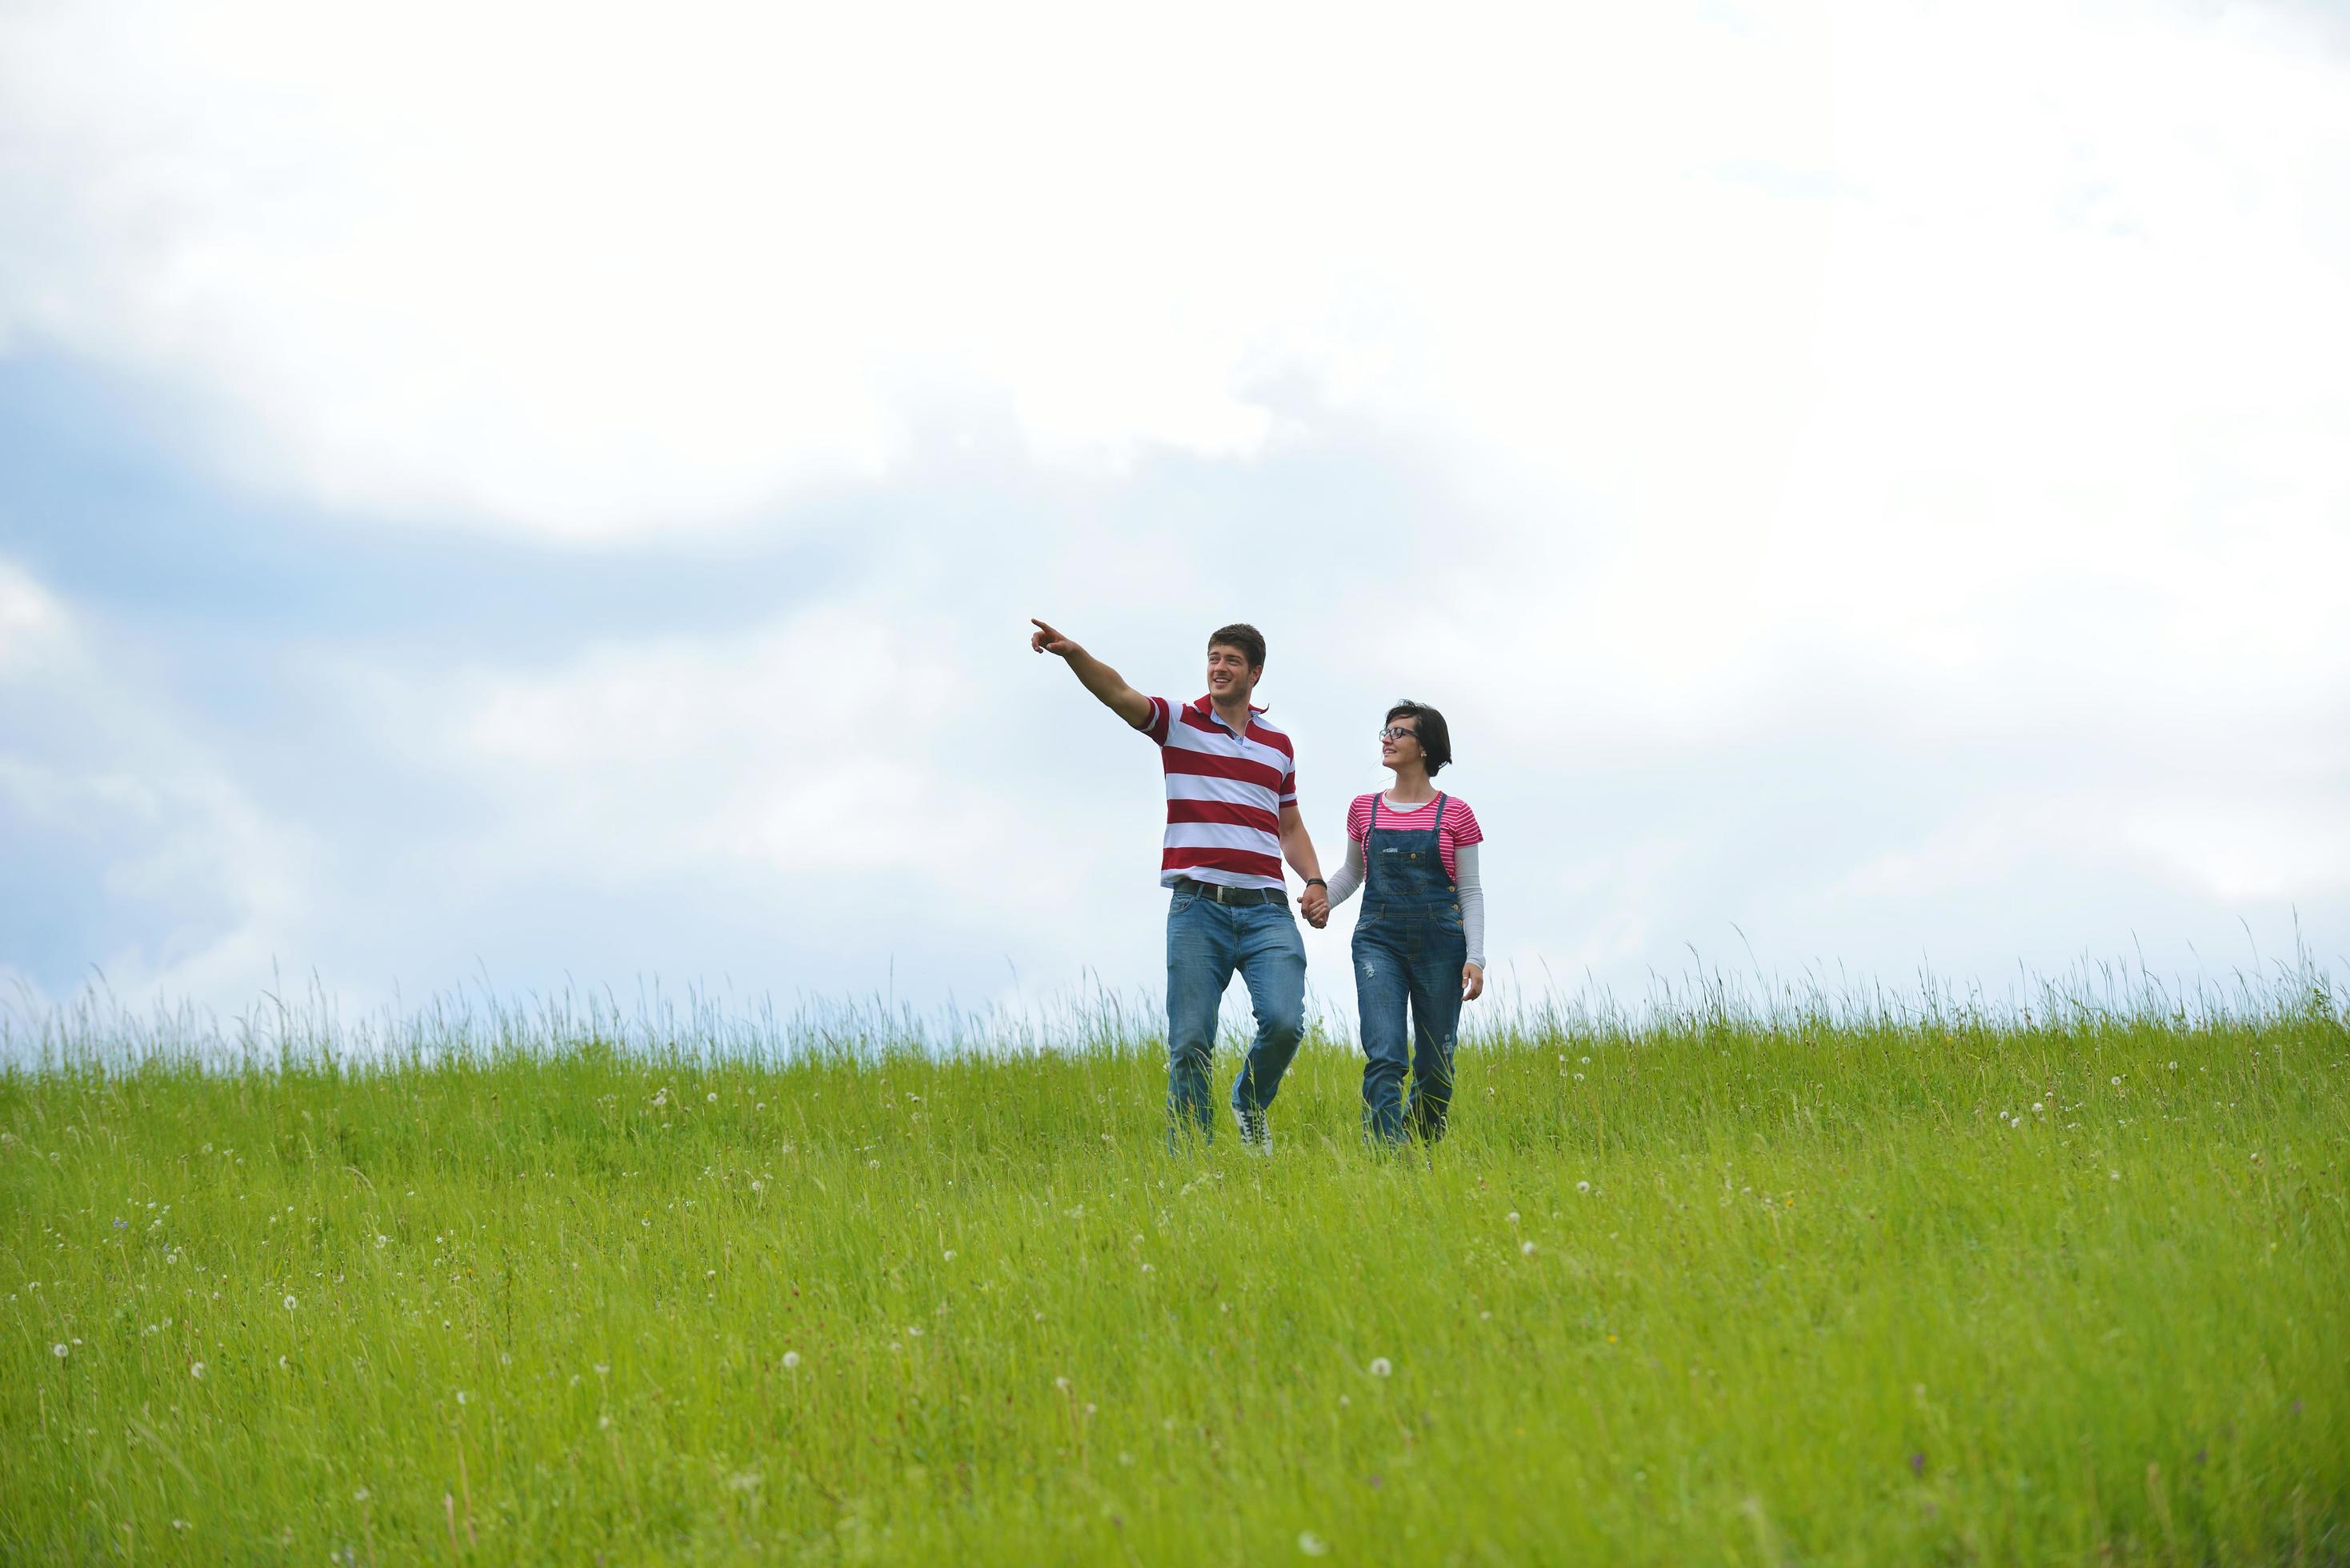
(1255, 1136)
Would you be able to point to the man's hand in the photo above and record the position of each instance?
(1098, 677)
(1315, 904)
(1472, 981)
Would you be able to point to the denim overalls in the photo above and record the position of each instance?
(1408, 945)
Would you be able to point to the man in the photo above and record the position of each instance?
(1231, 817)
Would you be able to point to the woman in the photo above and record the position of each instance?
(1412, 852)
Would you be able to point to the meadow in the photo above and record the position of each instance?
(1716, 1285)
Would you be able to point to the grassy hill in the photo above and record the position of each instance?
(1798, 1289)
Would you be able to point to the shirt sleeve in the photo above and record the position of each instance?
(1349, 878)
(1463, 823)
(1471, 888)
(1289, 785)
(1154, 724)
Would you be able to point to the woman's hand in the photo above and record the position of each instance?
(1472, 981)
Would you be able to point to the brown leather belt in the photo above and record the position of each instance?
(1239, 898)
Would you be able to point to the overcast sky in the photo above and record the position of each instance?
(544, 496)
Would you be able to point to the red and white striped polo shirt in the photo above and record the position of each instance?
(1224, 795)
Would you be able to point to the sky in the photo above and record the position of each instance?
(534, 498)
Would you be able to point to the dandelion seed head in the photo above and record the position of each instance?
(58, 1351)
(791, 1359)
(1583, 1187)
(1312, 1544)
(1525, 1248)
(196, 1370)
(290, 1303)
(1381, 1367)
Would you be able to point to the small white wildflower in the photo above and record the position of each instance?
(2037, 1107)
(284, 1365)
(1583, 1187)
(58, 1351)
(196, 1370)
(361, 1495)
(603, 1423)
(2174, 1066)
(1312, 1544)
(1381, 1367)
(760, 1106)
(2117, 1083)
(290, 1303)
(2114, 1174)
(1512, 1216)
(462, 1397)
(791, 1359)
(1526, 1249)
(914, 1329)
(1062, 1383)
(948, 1256)
(603, 1368)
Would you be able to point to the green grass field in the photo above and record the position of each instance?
(1705, 1291)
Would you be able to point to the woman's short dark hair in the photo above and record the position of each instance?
(1435, 740)
(1243, 636)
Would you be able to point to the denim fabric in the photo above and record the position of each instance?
(1408, 948)
(1407, 951)
(1206, 941)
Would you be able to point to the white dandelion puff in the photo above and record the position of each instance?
(791, 1359)
(58, 1351)
(291, 1303)
(1583, 1187)
(1525, 1248)
(1381, 1367)
(1512, 1216)
(196, 1370)
(1312, 1544)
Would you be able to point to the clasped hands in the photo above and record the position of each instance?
(1314, 905)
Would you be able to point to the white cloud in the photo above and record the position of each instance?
(1955, 392)
(130, 805)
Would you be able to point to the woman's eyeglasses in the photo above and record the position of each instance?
(1398, 732)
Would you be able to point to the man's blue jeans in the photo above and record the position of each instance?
(1205, 942)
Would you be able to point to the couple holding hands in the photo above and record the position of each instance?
(1231, 819)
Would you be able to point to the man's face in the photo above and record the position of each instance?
(1230, 676)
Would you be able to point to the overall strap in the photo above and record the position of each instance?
(1370, 828)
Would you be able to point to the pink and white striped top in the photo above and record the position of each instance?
(1224, 795)
(1459, 827)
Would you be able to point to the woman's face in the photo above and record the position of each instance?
(1399, 741)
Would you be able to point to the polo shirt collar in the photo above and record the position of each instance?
(1206, 708)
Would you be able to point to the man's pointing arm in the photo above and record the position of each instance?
(1096, 676)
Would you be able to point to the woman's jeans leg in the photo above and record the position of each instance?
(1436, 1016)
(1201, 951)
(1380, 989)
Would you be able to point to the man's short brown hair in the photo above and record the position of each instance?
(1243, 636)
